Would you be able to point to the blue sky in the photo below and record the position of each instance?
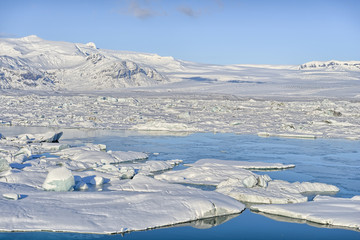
(208, 31)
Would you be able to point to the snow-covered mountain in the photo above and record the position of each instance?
(332, 65)
(34, 63)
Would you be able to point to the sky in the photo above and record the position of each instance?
(206, 31)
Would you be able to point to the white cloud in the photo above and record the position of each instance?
(140, 11)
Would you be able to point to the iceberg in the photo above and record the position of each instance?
(59, 179)
(331, 211)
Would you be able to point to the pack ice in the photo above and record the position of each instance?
(91, 190)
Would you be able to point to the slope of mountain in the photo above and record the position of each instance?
(34, 63)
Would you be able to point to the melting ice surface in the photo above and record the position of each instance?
(328, 161)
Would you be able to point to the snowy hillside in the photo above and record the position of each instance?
(34, 63)
(332, 65)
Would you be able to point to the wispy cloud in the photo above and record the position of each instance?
(140, 11)
(145, 9)
(188, 11)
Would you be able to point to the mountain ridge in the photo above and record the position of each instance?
(34, 63)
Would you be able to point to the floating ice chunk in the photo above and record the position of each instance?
(215, 171)
(121, 156)
(261, 195)
(205, 174)
(117, 211)
(287, 135)
(338, 212)
(94, 154)
(276, 191)
(4, 165)
(157, 166)
(49, 137)
(59, 179)
(41, 137)
(12, 196)
(97, 181)
(303, 187)
(242, 164)
(250, 181)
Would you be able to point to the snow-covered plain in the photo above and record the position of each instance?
(68, 85)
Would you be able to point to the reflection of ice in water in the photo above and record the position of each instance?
(208, 222)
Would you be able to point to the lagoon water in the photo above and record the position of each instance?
(329, 161)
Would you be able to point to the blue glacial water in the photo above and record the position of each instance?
(329, 161)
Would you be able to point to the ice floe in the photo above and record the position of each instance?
(215, 171)
(242, 164)
(114, 211)
(230, 178)
(96, 155)
(274, 191)
(331, 211)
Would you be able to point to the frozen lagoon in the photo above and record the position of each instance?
(327, 161)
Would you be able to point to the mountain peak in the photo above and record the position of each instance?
(31, 38)
(91, 45)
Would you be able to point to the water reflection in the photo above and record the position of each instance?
(302, 221)
(207, 222)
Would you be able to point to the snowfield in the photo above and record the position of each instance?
(51, 186)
